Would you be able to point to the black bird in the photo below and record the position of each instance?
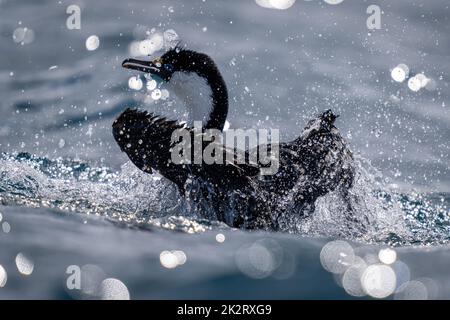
(317, 162)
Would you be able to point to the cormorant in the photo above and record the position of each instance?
(317, 162)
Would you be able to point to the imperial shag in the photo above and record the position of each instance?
(316, 163)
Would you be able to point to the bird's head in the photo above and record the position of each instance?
(194, 78)
(173, 61)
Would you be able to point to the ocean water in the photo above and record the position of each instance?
(70, 199)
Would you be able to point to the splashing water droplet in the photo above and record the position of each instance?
(181, 257)
(135, 83)
(168, 259)
(24, 264)
(23, 35)
(151, 45)
(414, 84)
(379, 281)
(3, 276)
(6, 227)
(165, 94)
(156, 94)
(351, 280)
(256, 260)
(387, 256)
(400, 73)
(92, 43)
(91, 279)
(171, 39)
(412, 290)
(334, 1)
(275, 4)
(114, 289)
(134, 48)
(151, 85)
(423, 80)
(337, 256)
(220, 237)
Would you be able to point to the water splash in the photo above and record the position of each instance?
(128, 196)
(136, 199)
(381, 215)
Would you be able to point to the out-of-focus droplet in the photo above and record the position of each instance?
(146, 47)
(165, 94)
(114, 289)
(151, 45)
(287, 267)
(379, 281)
(135, 83)
(23, 35)
(151, 85)
(402, 273)
(140, 32)
(220, 237)
(181, 257)
(351, 280)
(412, 290)
(24, 264)
(92, 43)
(29, 36)
(423, 80)
(400, 73)
(6, 227)
(264, 3)
(275, 4)
(134, 48)
(256, 260)
(18, 35)
(3, 276)
(337, 256)
(171, 39)
(91, 279)
(334, 1)
(414, 84)
(168, 259)
(282, 4)
(387, 256)
(156, 94)
(433, 287)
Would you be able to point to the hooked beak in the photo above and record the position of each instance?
(147, 67)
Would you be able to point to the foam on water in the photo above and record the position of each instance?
(128, 196)
(141, 200)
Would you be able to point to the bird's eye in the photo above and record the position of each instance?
(168, 67)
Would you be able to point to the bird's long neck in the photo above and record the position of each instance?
(219, 95)
(203, 91)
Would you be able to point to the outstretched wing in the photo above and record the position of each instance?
(148, 141)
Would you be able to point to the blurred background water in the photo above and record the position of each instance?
(78, 201)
